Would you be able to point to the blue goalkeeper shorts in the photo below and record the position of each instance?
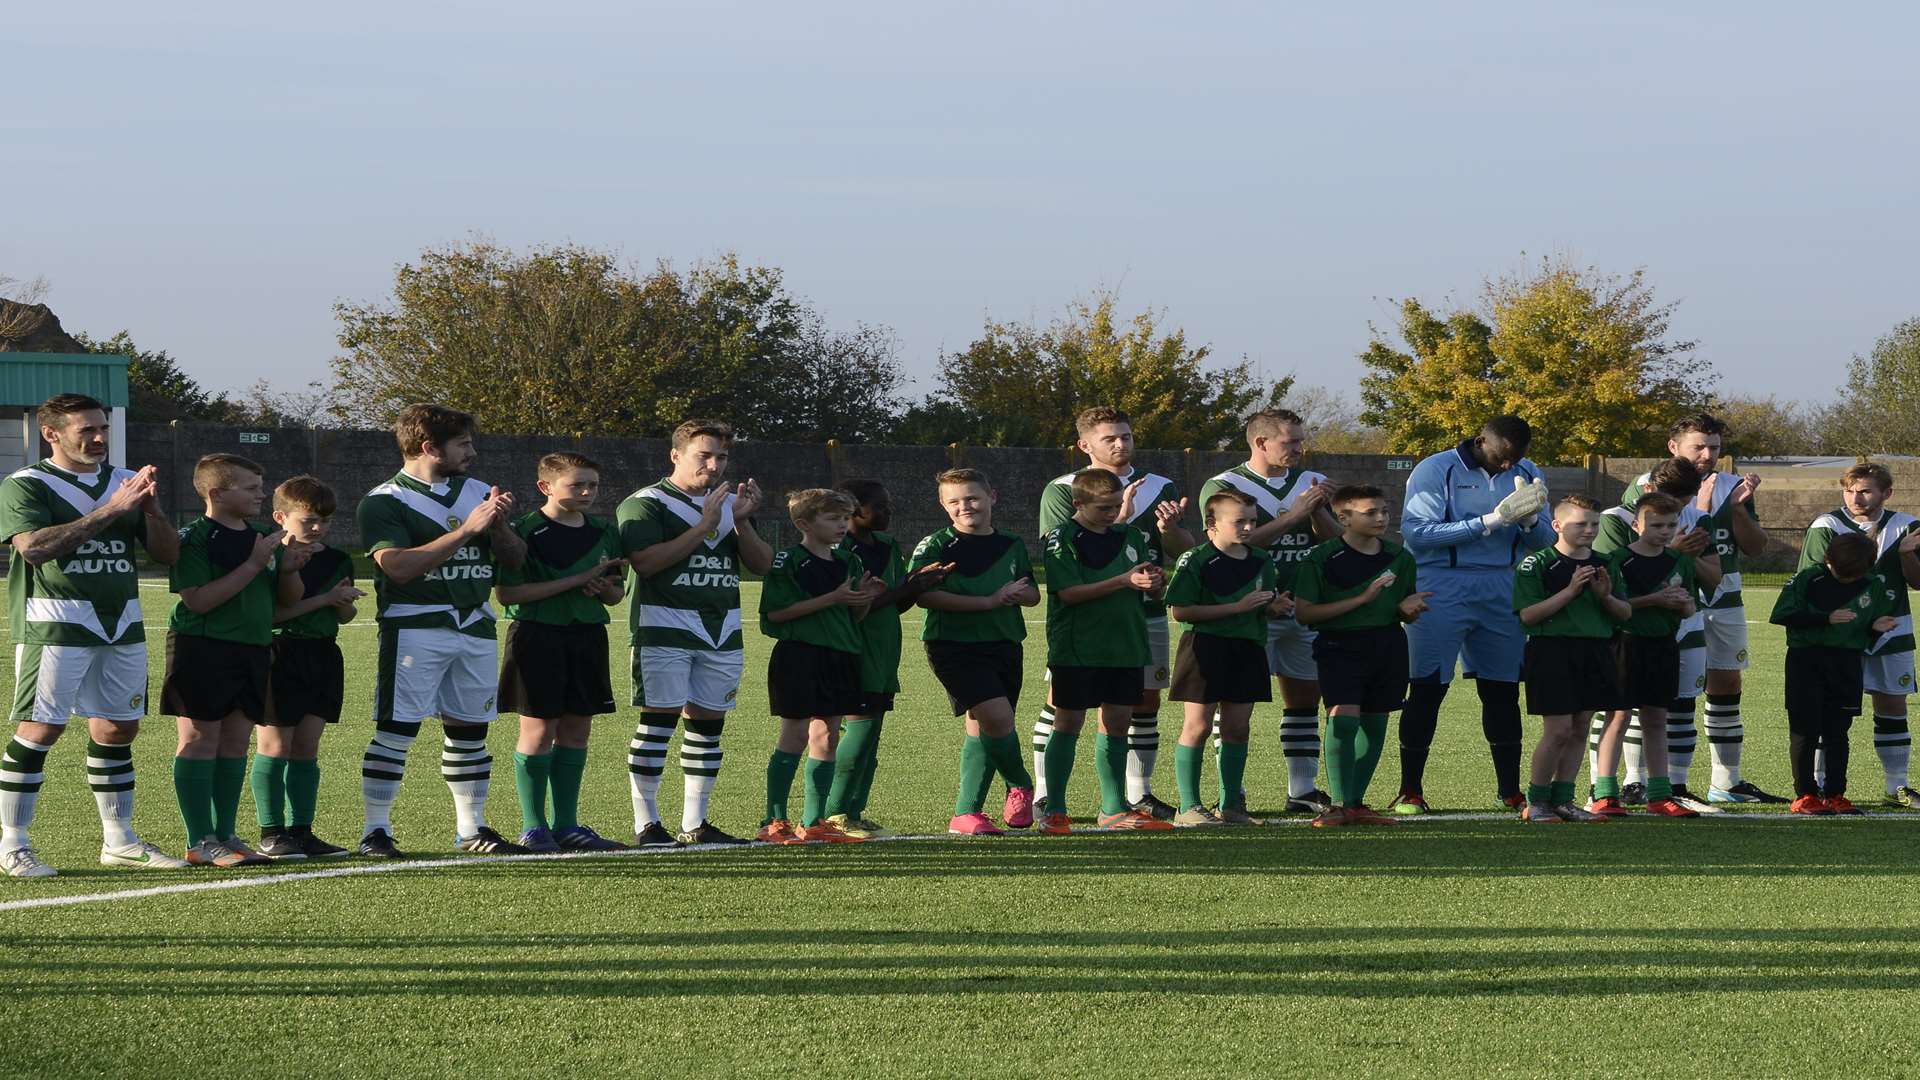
(1469, 618)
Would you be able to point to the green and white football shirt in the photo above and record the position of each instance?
(798, 575)
(1718, 520)
(1336, 571)
(1886, 533)
(1617, 530)
(983, 564)
(880, 635)
(1108, 631)
(1056, 508)
(210, 551)
(90, 596)
(1206, 576)
(1272, 496)
(408, 513)
(1545, 573)
(693, 603)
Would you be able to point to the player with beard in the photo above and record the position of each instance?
(80, 646)
(1727, 514)
(435, 535)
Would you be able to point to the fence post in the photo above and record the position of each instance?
(1190, 465)
(836, 467)
(956, 457)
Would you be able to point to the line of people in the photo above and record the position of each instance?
(1608, 616)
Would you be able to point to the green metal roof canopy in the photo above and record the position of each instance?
(31, 378)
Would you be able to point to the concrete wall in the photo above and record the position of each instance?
(13, 438)
(354, 461)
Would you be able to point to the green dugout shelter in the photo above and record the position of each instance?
(27, 379)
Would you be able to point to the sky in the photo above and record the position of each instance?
(214, 177)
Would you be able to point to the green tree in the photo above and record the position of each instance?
(1879, 411)
(1767, 427)
(157, 388)
(1022, 385)
(566, 339)
(1584, 356)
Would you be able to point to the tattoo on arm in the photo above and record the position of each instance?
(509, 549)
(54, 541)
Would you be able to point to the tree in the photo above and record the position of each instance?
(1582, 355)
(1333, 422)
(1022, 385)
(839, 386)
(1766, 427)
(264, 405)
(1879, 412)
(21, 312)
(566, 339)
(157, 388)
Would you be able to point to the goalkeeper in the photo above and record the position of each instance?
(1471, 514)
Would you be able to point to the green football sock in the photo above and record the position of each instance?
(270, 791)
(193, 789)
(781, 768)
(1343, 736)
(1606, 787)
(530, 773)
(1659, 787)
(229, 780)
(849, 759)
(1059, 765)
(819, 783)
(869, 764)
(976, 776)
(1372, 743)
(564, 776)
(1112, 768)
(1537, 793)
(1561, 792)
(1008, 760)
(1233, 770)
(303, 791)
(1187, 761)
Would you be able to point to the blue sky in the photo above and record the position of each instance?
(1270, 175)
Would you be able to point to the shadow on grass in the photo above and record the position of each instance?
(1641, 849)
(1367, 962)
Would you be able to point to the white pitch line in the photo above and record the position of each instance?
(438, 864)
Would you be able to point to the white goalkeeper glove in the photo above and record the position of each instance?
(1525, 504)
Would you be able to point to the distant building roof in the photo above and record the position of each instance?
(1819, 462)
(27, 379)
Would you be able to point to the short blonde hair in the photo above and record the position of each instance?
(221, 471)
(962, 476)
(810, 503)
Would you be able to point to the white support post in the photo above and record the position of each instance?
(117, 436)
